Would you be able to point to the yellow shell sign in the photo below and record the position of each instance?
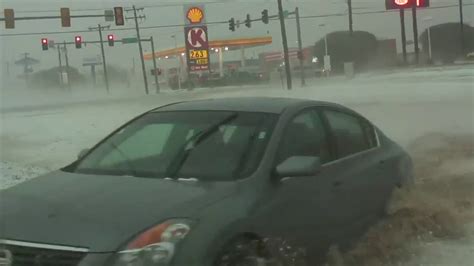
(195, 15)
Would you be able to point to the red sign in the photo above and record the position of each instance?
(197, 37)
(197, 48)
(401, 4)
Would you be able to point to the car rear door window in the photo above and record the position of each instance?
(305, 135)
(349, 133)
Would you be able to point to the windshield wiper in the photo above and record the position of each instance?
(190, 144)
(131, 169)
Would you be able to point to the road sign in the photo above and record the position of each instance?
(92, 61)
(197, 48)
(109, 15)
(129, 40)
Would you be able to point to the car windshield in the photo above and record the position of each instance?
(206, 145)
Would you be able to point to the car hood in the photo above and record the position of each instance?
(98, 212)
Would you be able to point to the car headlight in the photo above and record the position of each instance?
(156, 246)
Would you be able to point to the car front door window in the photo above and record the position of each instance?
(305, 136)
(348, 132)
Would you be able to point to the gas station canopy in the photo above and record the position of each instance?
(230, 44)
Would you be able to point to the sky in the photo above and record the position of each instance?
(160, 13)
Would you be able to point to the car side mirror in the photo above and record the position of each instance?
(299, 166)
(82, 153)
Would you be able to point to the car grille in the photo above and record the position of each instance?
(33, 256)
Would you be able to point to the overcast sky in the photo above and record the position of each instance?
(160, 13)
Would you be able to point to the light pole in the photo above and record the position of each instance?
(178, 55)
(325, 38)
(430, 54)
(327, 57)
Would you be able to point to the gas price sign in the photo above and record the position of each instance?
(196, 38)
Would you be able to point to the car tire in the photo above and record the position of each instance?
(256, 252)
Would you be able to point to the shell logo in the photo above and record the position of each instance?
(195, 15)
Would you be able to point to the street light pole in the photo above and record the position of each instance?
(415, 35)
(178, 60)
(403, 33)
(429, 44)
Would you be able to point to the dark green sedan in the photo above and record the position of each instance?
(209, 182)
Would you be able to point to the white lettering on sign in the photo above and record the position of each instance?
(197, 37)
(401, 2)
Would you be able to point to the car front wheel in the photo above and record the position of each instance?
(255, 252)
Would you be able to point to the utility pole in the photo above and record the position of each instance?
(461, 22)
(67, 67)
(60, 66)
(140, 48)
(415, 35)
(300, 46)
(154, 65)
(349, 6)
(104, 62)
(404, 37)
(285, 45)
(26, 68)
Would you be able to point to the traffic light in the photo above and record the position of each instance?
(9, 15)
(232, 24)
(265, 18)
(78, 41)
(248, 21)
(118, 12)
(111, 39)
(65, 17)
(44, 44)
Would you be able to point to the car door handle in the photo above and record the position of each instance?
(336, 183)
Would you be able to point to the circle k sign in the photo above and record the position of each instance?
(197, 37)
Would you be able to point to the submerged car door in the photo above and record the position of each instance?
(357, 184)
(295, 208)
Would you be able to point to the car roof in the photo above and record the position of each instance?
(243, 104)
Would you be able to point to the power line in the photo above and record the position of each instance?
(102, 9)
(215, 22)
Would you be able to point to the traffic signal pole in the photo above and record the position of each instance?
(104, 62)
(285, 45)
(300, 46)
